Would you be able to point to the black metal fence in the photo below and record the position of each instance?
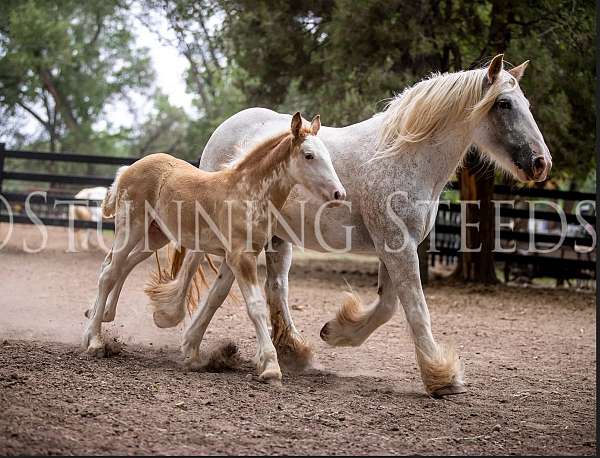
(52, 208)
(571, 257)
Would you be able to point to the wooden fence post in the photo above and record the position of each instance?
(423, 258)
(2, 156)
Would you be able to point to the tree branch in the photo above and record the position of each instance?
(59, 102)
(46, 124)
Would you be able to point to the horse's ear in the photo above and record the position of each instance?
(518, 71)
(495, 68)
(315, 124)
(296, 124)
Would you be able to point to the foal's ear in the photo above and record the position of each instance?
(296, 124)
(495, 68)
(315, 124)
(518, 71)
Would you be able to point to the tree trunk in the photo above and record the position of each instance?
(424, 260)
(477, 184)
(477, 179)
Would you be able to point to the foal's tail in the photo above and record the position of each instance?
(109, 203)
(169, 296)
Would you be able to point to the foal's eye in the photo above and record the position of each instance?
(309, 156)
(504, 104)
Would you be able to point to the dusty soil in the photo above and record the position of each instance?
(529, 355)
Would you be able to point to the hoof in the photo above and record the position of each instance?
(162, 320)
(97, 350)
(193, 365)
(294, 354)
(190, 351)
(324, 332)
(271, 376)
(108, 317)
(450, 390)
(331, 334)
(191, 356)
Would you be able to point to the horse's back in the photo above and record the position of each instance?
(238, 132)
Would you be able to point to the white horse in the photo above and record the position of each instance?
(394, 167)
(87, 213)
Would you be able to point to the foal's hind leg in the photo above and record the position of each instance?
(134, 258)
(156, 241)
(112, 270)
(353, 323)
(292, 350)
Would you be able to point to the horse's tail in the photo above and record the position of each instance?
(109, 203)
(169, 297)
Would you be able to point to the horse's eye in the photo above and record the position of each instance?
(309, 156)
(504, 104)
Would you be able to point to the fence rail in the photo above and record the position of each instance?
(503, 189)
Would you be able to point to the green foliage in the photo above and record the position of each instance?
(343, 58)
(226, 100)
(63, 62)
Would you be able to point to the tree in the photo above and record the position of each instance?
(62, 62)
(165, 130)
(211, 74)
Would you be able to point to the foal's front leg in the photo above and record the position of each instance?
(193, 335)
(245, 271)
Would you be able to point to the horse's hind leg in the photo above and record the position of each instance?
(192, 338)
(355, 323)
(292, 350)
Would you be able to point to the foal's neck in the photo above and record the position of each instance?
(263, 174)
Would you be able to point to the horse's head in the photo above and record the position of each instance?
(508, 131)
(311, 164)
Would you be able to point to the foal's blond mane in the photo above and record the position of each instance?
(432, 106)
(267, 155)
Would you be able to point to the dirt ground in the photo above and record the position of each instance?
(529, 356)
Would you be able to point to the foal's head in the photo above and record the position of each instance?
(508, 131)
(310, 164)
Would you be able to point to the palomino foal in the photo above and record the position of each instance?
(197, 210)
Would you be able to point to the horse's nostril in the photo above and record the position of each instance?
(337, 195)
(539, 165)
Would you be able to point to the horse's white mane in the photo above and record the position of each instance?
(430, 107)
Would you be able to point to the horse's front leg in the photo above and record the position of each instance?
(245, 271)
(355, 323)
(441, 369)
(292, 349)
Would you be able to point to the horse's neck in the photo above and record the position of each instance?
(427, 167)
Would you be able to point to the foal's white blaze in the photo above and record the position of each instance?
(313, 169)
